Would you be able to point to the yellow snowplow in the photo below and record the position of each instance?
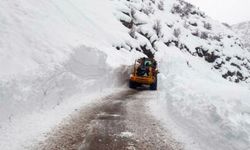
(144, 72)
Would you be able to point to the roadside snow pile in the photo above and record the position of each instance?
(243, 29)
(86, 70)
(53, 54)
(33, 105)
(200, 108)
(176, 22)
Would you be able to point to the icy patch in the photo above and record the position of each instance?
(106, 116)
(130, 147)
(126, 134)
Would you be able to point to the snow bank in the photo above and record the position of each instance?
(202, 110)
(42, 102)
(85, 70)
(53, 55)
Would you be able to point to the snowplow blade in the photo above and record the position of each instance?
(142, 80)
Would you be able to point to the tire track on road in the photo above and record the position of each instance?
(119, 122)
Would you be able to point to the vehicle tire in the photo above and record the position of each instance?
(132, 85)
(154, 85)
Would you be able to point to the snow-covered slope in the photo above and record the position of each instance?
(175, 22)
(55, 53)
(202, 110)
(195, 53)
(51, 51)
(46, 42)
(243, 30)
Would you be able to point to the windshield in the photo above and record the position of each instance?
(147, 63)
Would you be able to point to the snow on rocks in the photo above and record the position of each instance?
(190, 30)
(243, 30)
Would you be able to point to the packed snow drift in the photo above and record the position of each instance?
(53, 55)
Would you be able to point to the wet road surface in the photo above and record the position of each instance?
(120, 122)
